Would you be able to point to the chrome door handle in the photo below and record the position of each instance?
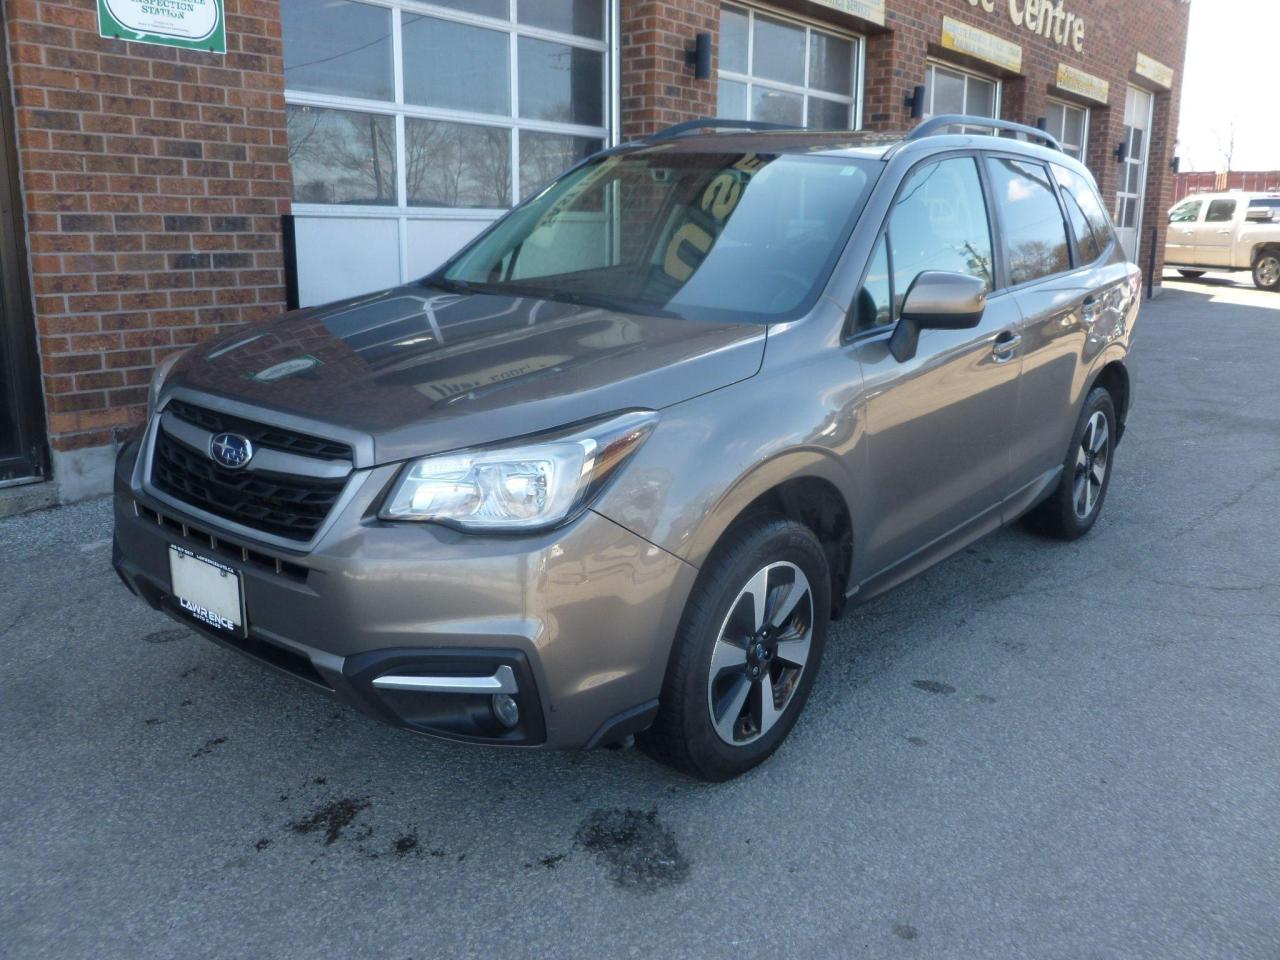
(1003, 347)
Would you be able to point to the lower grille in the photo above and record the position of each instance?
(287, 506)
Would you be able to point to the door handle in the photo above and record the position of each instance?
(1005, 345)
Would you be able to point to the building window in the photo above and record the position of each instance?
(1070, 125)
(465, 104)
(786, 71)
(949, 90)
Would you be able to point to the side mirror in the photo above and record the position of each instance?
(1260, 215)
(937, 301)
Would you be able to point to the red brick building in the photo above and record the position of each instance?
(158, 195)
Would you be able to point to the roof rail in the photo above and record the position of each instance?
(693, 126)
(936, 125)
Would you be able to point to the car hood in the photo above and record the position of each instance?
(423, 371)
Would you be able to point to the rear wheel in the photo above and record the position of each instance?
(746, 653)
(1073, 508)
(1266, 270)
(1192, 274)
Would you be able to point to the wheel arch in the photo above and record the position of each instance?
(1114, 377)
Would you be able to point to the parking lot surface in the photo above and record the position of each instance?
(1035, 750)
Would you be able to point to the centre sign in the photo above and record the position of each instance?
(1045, 18)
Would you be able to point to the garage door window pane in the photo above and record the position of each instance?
(338, 47)
(828, 115)
(779, 51)
(486, 8)
(561, 83)
(831, 63)
(1035, 235)
(733, 40)
(457, 164)
(585, 18)
(775, 106)
(947, 95)
(339, 156)
(456, 66)
(731, 100)
(544, 156)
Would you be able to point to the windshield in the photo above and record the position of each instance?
(705, 235)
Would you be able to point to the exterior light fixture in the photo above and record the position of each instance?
(700, 56)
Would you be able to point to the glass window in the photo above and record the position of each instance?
(457, 164)
(339, 156)
(1081, 195)
(1220, 211)
(953, 91)
(1069, 124)
(875, 299)
(544, 156)
(1187, 212)
(763, 72)
(939, 222)
(559, 82)
(455, 65)
(582, 17)
(486, 8)
(1035, 235)
(340, 47)
(714, 235)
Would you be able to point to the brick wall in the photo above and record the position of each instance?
(658, 87)
(154, 180)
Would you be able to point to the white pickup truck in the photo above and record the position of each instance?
(1227, 231)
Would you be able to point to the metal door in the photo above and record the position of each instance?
(1133, 172)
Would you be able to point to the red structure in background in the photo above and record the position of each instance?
(1250, 181)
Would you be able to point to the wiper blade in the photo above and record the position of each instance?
(451, 286)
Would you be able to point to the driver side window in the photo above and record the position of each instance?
(1185, 213)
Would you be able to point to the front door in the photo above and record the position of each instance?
(21, 434)
(1215, 234)
(1180, 247)
(1133, 175)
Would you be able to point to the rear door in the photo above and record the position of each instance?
(1216, 233)
(1181, 245)
(937, 424)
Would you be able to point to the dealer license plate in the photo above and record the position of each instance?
(207, 590)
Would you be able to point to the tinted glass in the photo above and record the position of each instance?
(778, 53)
(939, 222)
(731, 100)
(733, 39)
(544, 156)
(875, 300)
(1035, 235)
(562, 83)
(582, 17)
(726, 236)
(1220, 211)
(1186, 212)
(457, 164)
(830, 63)
(337, 47)
(1081, 195)
(828, 115)
(1085, 241)
(339, 156)
(1265, 202)
(454, 65)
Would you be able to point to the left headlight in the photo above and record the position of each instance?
(525, 487)
(161, 374)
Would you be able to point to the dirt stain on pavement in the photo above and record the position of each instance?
(405, 844)
(165, 636)
(905, 931)
(209, 745)
(331, 818)
(640, 852)
(933, 686)
(917, 741)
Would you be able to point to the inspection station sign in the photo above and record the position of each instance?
(963, 38)
(193, 24)
(872, 10)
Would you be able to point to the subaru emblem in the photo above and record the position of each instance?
(230, 450)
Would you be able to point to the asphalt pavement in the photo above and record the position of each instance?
(1035, 750)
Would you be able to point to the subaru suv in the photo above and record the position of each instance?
(609, 471)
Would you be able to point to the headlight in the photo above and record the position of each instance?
(158, 378)
(531, 486)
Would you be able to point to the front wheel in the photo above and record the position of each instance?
(1266, 271)
(746, 653)
(1073, 507)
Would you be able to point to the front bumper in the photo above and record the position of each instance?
(580, 620)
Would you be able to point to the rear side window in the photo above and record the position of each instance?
(1187, 212)
(1085, 196)
(1220, 211)
(1035, 234)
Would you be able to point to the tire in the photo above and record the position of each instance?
(1193, 274)
(1266, 270)
(761, 556)
(1071, 510)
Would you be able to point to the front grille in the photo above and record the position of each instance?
(223, 549)
(287, 506)
(260, 434)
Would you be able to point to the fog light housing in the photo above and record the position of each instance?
(505, 709)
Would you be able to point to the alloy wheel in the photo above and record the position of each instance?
(1092, 460)
(1268, 271)
(760, 653)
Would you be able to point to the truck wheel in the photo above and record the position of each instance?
(1266, 270)
(1192, 274)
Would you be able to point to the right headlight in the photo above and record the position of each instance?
(520, 487)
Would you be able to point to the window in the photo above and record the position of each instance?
(1082, 200)
(390, 107)
(785, 72)
(953, 91)
(1070, 125)
(1220, 211)
(1187, 212)
(1035, 234)
(939, 222)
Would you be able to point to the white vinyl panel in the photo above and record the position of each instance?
(369, 260)
(430, 243)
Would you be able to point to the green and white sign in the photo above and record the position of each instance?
(192, 24)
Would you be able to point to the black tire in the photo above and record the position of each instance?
(1266, 270)
(1192, 274)
(1059, 516)
(683, 735)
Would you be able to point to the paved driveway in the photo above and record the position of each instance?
(1033, 751)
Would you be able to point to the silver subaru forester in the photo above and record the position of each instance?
(610, 470)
